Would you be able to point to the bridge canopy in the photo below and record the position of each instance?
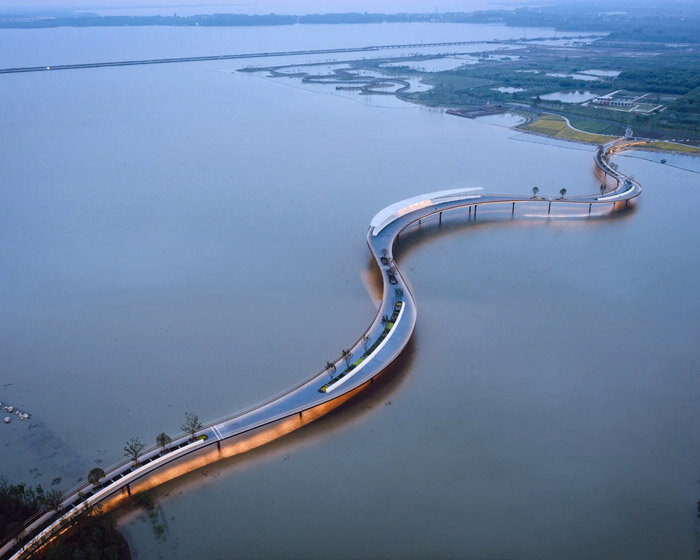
(384, 217)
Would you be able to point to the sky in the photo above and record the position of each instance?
(183, 7)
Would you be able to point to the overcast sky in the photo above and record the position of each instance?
(183, 7)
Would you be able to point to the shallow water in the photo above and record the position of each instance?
(570, 96)
(508, 89)
(189, 238)
(584, 77)
(433, 64)
(603, 73)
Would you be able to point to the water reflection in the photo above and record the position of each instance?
(199, 471)
(458, 222)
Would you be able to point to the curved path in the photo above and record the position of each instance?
(368, 357)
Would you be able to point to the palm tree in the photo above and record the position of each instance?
(535, 190)
(163, 439)
(562, 192)
(133, 450)
(95, 475)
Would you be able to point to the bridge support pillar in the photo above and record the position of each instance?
(627, 202)
(128, 490)
(475, 211)
(440, 218)
(218, 445)
(589, 207)
(512, 209)
(470, 211)
(549, 209)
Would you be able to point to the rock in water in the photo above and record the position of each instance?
(8, 419)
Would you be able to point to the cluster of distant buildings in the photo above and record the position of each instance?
(611, 101)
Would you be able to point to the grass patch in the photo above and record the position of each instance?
(672, 147)
(555, 126)
(597, 127)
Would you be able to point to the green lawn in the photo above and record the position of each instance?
(555, 126)
(673, 147)
(597, 127)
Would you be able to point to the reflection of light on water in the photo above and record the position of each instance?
(228, 448)
(372, 280)
(563, 216)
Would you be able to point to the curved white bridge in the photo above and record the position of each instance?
(378, 347)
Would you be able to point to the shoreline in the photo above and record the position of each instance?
(653, 147)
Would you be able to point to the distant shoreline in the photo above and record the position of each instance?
(25, 21)
(644, 24)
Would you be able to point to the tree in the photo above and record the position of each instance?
(95, 475)
(133, 449)
(535, 190)
(52, 500)
(192, 424)
(365, 342)
(330, 366)
(347, 356)
(562, 192)
(17, 503)
(602, 188)
(385, 319)
(163, 439)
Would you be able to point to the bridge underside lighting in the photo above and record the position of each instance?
(231, 448)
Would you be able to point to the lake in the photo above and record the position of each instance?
(185, 237)
(570, 96)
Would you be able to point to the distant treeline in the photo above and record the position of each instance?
(666, 79)
(621, 27)
(639, 23)
(224, 20)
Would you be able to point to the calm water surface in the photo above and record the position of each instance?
(187, 238)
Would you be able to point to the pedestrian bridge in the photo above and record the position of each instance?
(358, 367)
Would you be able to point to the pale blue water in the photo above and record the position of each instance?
(186, 238)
